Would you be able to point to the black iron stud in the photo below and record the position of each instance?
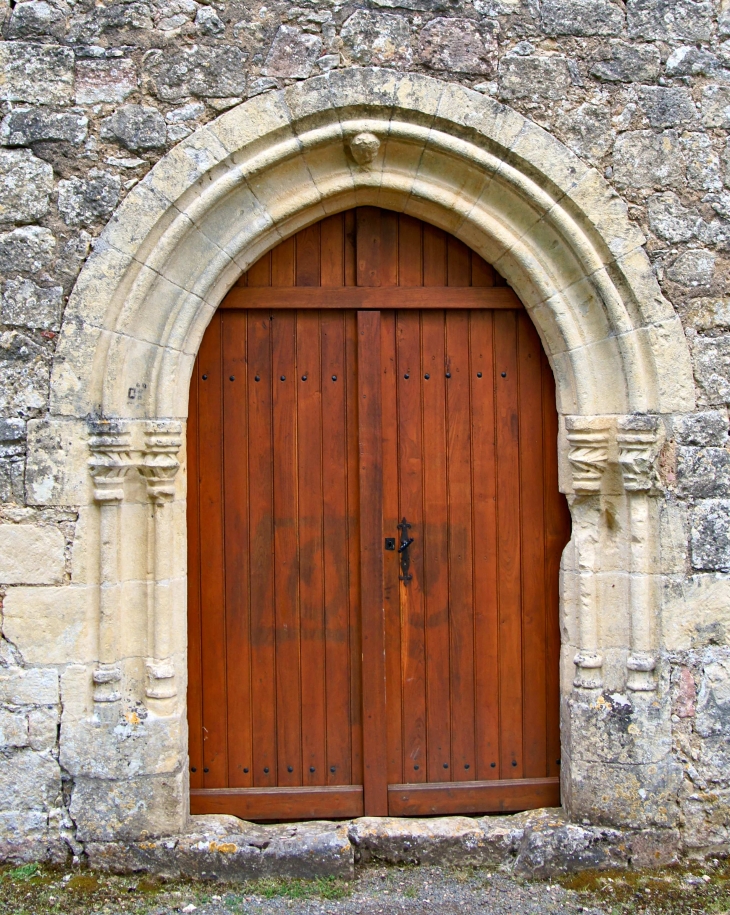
(332, 769)
(493, 765)
(416, 768)
(426, 376)
(406, 376)
(334, 377)
(479, 374)
(466, 765)
(290, 768)
(448, 374)
(206, 770)
(446, 765)
(257, 378)
(504, 374)
(205, 377)
(246, 771)
(266, 770)
(233, 378)
(514, 762)
(311, 768)
(283, 377)
(193, 769)
(304, 377)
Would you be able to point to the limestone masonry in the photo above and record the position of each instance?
(581, 146)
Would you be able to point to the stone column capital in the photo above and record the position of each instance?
(111, 459)
(637, 439)
(158, 462)
(588, 439)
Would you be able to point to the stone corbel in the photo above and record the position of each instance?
(588, 439)
(110, 461)
(159, 466)
(637, 452)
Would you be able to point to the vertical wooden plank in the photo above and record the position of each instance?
(532, 531)
(235, 475)
(308, 256)
(435, 546)
(368, 246)
(509, 564)
(350, 230)
(371, 564)
(484, 527)
(283, 265)
(391, 588)
(195, 675)
(286, 552)
(410, 251)
(261, 556)
(332, 260)
(353, 544)
(434, 256)
(334, 559)
(482, 273)
(311, 552)
(461, 599)
(557, 534)
(388, 248)
(215, 755)
(410, 475)
(259, 274)
(458, 262)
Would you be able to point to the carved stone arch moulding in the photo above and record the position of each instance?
(233, 190)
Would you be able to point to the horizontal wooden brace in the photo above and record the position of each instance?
(371, 297)
(307, 803)
(495, 796)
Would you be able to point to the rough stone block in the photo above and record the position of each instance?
(28, 305)
(31, 555)
(381, 39)
(50, 625)
(702, 429)
(13, 729)
(86, 202)
(36, 19)
(691, 61)
(711, 357)
(215, 72)
(457, 46)
(57, 473)
(135, 126)
(703, 164)
(43, 728)
(710, 535)
(32, 686)
(689, 20)
(670, 220)
(134, 808)
(627, 63)
(588, 131)
(25, 369)
(534, 77)
(667, 106)
(292, 54)
(105, 80)
(564, 848)
(29, 781)
(581, 17)
(716, 106)
(642, 158)
(36, 73)
(25, 126)
(26, 250)
(693, 268)
(25, 183)
(703, 473)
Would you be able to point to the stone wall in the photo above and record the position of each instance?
(92, 95)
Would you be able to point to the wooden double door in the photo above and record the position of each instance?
(375, 532)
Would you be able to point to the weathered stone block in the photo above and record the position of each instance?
(135, 808)
(642, 158)
(716, 106)
(441, 840)
(667, 106)
(215, 72)
(26, 304)
(31, 555)
(43, 728)
(135, 126)
(36, 19)
(588, 131)
(702, 429)
(26, 250)
(25, 183)
(208, 22)
(57, 473)
(36, 73)
(87, 202)
(13, 729)
(693, 268)
(50, 625)
(457, 46)
(534, 77)
(292, 54)
(703, 164)
(670, 220)
(29, 781)
(105, 80)
(691, 61)
(581, 17)
(25, 368)
(627, 63)
(711, 356)
(32, 686)
(689, 20)
(12, 460)
(381, 39)
(710, 536)
(25, 126)
(703, 473)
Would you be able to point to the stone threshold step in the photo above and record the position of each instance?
(538, 843)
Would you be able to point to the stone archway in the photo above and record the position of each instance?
(232, 190)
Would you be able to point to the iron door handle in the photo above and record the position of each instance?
(405, 559)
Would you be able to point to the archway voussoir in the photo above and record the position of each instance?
(185, 164)
(600, 210)
(673, 366)
(265, 115)
(542, 156)
(363, 89)
(103, 275)
(79, 366)
(643, 295)
(495, 124)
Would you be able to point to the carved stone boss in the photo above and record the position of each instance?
(637, 452)
(588, 457)
(112, 458)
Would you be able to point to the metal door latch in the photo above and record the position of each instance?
(405, 559)
(390, 544)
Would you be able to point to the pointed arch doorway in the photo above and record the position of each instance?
(375, 531)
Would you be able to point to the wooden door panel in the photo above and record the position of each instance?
(369, 369)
